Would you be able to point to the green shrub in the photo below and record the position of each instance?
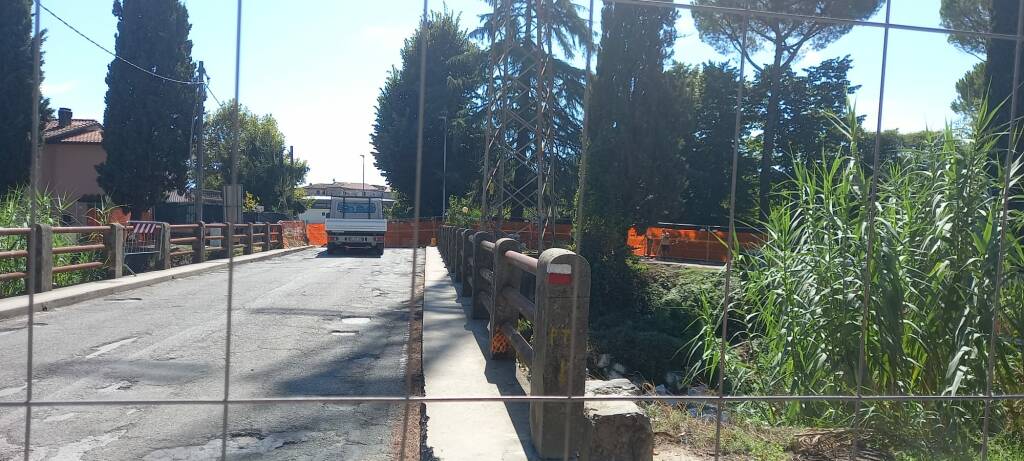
(15, 211)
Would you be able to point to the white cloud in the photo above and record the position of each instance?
(58, 88)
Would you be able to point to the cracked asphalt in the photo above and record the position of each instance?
(303, 325)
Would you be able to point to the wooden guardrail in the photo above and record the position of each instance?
(109, 242)
(494, 273)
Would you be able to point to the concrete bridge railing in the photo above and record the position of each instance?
(110, 244)
(492, 273)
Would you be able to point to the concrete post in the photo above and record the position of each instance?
(40, 243)
(249, 238)
(481, 259)
(465, 253)
(199, 245)
(267, 238)
(563, 288)
(114, 241)
(164, 258)
(505, 275)
(456, 256)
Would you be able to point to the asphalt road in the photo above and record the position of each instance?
(304, 324)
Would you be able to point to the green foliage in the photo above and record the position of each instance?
(631, 114)
(932, 275)
(250, 203)
(806, 104)
(147, 122)
(971, 91)
(652, 338)
(452, 79)
(999, 64)
(513, 30)
(265, 169)
(15, 212)
(971, 16)
(16, 89)
(706, 98)
(462, 211)
(784, 40)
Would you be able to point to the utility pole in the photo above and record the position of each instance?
(444, 169)
(200, 155)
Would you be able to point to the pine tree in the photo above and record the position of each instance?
(16, 89)
(633, 173)
(147, 120)
(1000, 63)
(785, 39)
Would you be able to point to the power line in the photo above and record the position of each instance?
(210, 92)
(154, 74)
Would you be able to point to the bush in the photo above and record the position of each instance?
(15, 212)
(650, 337)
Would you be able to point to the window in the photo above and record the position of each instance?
(357, 208)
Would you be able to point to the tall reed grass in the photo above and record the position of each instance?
(799, 305)
(15, 212)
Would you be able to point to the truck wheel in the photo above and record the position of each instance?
(380, 250)
(330, 249)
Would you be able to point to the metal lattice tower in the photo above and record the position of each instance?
(518, 133)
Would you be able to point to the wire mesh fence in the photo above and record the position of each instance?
(993, 394)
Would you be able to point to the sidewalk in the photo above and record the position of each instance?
(455, 364)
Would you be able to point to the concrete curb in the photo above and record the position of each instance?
(16, 306)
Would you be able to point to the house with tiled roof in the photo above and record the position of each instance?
(71, 150)
(348, 189)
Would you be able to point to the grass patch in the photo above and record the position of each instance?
(739, 440)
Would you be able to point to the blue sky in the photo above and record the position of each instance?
(317, 65)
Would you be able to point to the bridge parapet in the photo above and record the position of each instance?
(107, 245)
(493, 275)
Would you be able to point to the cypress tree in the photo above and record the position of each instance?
(16, 88)
(453, 76)
(147, 120)
(1000, 62)
(634, 172)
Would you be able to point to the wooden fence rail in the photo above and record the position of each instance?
(108, 242)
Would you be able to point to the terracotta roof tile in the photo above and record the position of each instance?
(78, 131)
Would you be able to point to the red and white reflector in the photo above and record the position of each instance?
(559, 274)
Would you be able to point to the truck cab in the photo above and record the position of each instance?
(356, 223)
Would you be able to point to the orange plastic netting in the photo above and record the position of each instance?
(316, 234)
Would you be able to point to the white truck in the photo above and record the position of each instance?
(355, 223)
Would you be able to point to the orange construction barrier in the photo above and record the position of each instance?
(316, 235)
(293, 234)
(689, 242)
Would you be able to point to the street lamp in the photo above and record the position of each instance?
(363, 156)
(444, 169)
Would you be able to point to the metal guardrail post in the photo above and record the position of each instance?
(505, 275)
(164, 258)
(249, 238)
(40, 243)
(114, 241)
(563, 305)
(199, 245)
(480, 258)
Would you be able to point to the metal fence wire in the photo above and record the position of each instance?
(142, 239)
